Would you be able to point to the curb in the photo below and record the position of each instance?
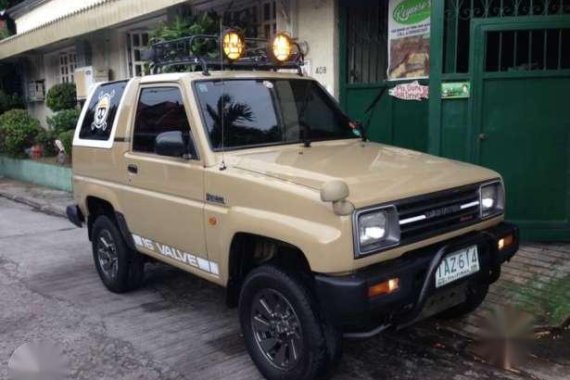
(35, 204)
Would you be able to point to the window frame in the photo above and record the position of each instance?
(70, 65)
(186, 111)
(132, 63)
(104, 144)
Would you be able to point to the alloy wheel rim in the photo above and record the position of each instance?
(107, 255)
(276, 329)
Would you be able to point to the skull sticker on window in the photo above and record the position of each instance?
(102, 111)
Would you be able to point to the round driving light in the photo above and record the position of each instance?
(282, 47)
(233, 45)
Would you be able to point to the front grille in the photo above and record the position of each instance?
(429, 215)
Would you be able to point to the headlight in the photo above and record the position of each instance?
(376, 229)
(492, 199)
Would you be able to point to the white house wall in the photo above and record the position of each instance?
(316, 23)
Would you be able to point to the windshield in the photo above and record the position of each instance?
(258, 112)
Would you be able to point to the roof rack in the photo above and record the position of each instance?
(204, 51)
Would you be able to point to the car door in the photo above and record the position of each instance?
(164, 205)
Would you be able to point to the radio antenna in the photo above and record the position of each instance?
(223, 95)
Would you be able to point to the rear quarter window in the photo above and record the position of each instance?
(101, 111)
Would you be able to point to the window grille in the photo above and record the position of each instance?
(138, 42)
(458, 16)
(367, 41)
(269, 19)
(246, 19)
(67, 65)
(528, 50)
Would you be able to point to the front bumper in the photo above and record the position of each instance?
(345, 299)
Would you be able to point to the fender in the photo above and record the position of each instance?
(96, 189)
(316, 240)
(100, 189)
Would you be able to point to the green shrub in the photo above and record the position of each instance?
(187, 25)
(64, 120)
(46, 138)
(18, 131)
(67, 141)
(61, 96)
(8, 102)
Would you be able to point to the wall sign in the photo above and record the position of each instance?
(409, 26)
(410, 91)
(456, 90)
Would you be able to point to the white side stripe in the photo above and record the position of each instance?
(178, 255)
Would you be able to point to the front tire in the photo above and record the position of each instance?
(284, 332)
(120, 268)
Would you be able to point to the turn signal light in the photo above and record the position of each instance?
(386, 287)
(505, 242)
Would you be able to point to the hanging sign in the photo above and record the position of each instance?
(410, 91)
(408, 39)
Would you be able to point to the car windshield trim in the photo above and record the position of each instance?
(278, 115)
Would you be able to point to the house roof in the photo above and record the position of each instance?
(24, 7)
(103, 14)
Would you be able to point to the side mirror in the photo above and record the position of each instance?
(171, 144)
(337, 191)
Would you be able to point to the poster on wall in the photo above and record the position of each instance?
(408, 39)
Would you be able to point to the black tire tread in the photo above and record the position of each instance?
(132, 276)
(327, 343)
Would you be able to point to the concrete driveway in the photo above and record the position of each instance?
(176, 326)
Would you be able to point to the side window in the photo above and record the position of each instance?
(160, 109)
(101, 111)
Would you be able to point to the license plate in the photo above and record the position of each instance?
(457, 265)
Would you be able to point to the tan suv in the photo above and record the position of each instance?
(258, 182)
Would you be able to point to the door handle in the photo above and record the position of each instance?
(483, 136)
(132, 168)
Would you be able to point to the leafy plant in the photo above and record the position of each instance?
(180, 27)
(46, 138)
(8, 102)
(63, 120)
(18, 131)
(66, 139)
(4, 33)
(206, 23)
(61, 96)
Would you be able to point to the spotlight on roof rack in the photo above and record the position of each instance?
(281, 48)
(233, 44)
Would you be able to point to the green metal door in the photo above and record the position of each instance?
(520, 117)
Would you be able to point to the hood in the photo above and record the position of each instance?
(375, 173)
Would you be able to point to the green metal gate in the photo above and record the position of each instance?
(520, 118)
(516, 55)
(363, 61)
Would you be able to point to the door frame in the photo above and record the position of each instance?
(477, 55)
